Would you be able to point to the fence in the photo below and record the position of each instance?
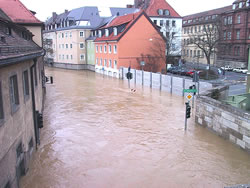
(169, 83)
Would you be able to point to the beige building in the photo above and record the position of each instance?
(65, 36)
(197, 26)
(21, 99)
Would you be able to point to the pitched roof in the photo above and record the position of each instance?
(127, 21)
(208, 13)
(155, 5)
(17, 12)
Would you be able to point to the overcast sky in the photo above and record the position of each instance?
(44, 8)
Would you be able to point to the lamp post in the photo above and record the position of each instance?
(248, 72)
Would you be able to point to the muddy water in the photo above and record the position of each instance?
(98, 134)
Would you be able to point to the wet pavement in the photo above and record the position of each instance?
(98, 134)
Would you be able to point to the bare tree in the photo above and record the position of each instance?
(207, 39)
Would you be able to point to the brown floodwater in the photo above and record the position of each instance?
(99, 134)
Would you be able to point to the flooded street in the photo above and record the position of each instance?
(99, 134)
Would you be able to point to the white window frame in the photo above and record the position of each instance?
(82, 55)
(105, 62)
(115, 31)
(105, 49)
(82, 45)
(115, 64)
(110, 48)
(115, 49)
(110, 63)
(81, 34)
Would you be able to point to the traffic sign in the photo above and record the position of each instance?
(189, 96)
(190, 90)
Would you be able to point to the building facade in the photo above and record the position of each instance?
(169, 22)
(20, 15)
(65, 36)
(127, 41)
(234, 45)
(233, 27)
(21, 100)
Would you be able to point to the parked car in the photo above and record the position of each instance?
(227, 68)
(240, 70)
(171, 69)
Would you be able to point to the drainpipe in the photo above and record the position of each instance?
(36, 130)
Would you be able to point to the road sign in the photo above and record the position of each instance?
(189, 96)
(190, 90)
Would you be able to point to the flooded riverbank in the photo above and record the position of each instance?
(97, 133)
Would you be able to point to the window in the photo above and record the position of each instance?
(198, 53)
(82, 57)
(105, 62)
(230, 20)
(195, 29)
(234, 6)
(173, 23)
(155, 22)
(81, 45)
(161, 22)
(110, 63)
(225, 35)
(199, 28)
(71, 46)
(115, 49)
(173, 34)
(66, 45)
(105, 49)
(167, 23)
(229, 35)
(59, 46)
(115, 64)
(110, 49)
(70, 34)
(62, 35)
(184, 41)
(99, 33)
(248, 33)
(106, 32)
(1, 104)
(67, 56)
(14, 96)
(81, 33)
(59, 56)
(194, 53)
(187, 53)
(240, 5)
(191, 54)
(191, 30)
(101, 62)
(62, 45)
(160, 11)
(97, 61)
(26, 84)
(185, 30)
(238, 19)
(96, 48)
(66, 34)
(71, 56)
(225, 20)
(237, 34)
(62, 56)
(166, 12)
(237, 51)
(115, 31)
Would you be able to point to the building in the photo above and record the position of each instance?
(128, 40)
(20, 15)
(194, 26)
(21, 99)
(233, 35)
(235, 41)
(169, 22)
(65, 35)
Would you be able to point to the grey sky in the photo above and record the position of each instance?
(44, 8)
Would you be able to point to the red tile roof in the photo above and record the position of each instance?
(17, 12)
(154, 5)
(129, 19)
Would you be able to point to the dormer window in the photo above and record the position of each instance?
(8, 31)
(248, 3)
(106, 32)
(99, 33)
(234, 6)
(115, 31)
(167, 12)
(160, 11)
(240, 5)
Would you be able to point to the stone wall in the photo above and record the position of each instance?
(225, 120)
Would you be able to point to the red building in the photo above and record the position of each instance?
(127, 40)
(233, 48)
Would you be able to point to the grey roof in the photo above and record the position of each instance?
(90, 14)
(122, 11)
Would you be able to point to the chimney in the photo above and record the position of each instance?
(136, 3)
(54, 15)
(66, 11)
(129, 6)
